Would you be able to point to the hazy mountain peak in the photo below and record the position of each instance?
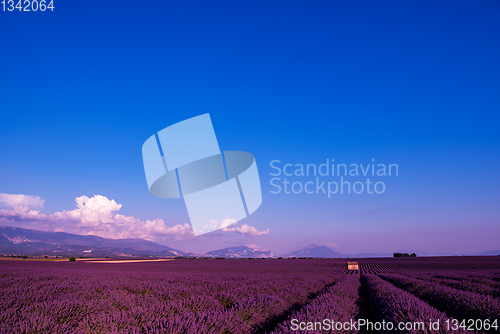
(313, 250)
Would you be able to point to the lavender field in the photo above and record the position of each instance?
(246, 296)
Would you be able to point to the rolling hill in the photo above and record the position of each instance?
(15, 240)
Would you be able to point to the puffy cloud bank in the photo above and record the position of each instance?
(98, 216)
(12, 200)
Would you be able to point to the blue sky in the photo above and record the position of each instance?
(412, 83)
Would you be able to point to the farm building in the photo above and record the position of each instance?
(352, 265)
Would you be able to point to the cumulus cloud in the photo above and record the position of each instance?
(245, 229)
(98, 216)
(214, 224)
(13, 200)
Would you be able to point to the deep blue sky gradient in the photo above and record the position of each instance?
(412, 83)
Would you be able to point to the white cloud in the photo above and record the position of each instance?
(12, 200)
(98, 216)
(213, 224)
(245, 229)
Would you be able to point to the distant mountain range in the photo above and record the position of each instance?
(316, 251)
(20, 241)
(241, 252)
(490, 252)
(325, 252)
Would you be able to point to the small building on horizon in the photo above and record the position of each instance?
(352, 265)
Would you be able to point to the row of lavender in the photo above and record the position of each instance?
(99, 301)
(484, 283)
(457, 303)
(338, 302)
(391, 304)
(384, 302)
